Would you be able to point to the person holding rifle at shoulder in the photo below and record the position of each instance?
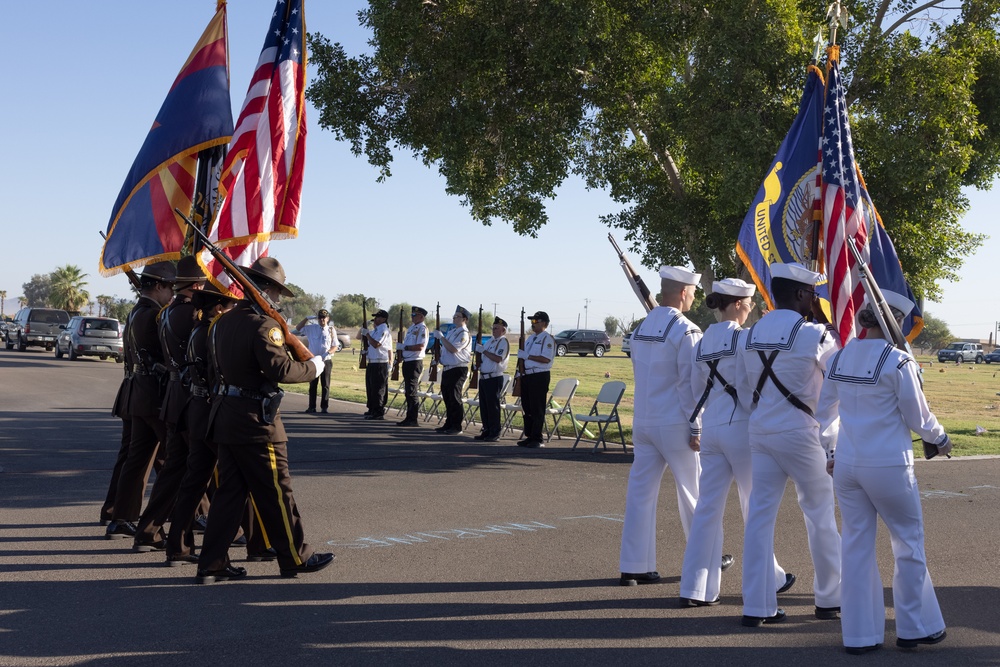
(538, 355)
(247, 360)
(322, 337)
(455, 358)
(870, 402)
(413, 348)
(495, 354)
(377, 371)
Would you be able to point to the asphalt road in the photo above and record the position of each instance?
(448, 552)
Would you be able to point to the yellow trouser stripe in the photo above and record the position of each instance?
(273, 459)
(260, 523)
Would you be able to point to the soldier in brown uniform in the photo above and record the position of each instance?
(118, 410)
(175, 324)
(247, 360)
(142, 397)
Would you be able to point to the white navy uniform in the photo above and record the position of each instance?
(662, 360)
(874, 389)
(784, 442)
(725, 456)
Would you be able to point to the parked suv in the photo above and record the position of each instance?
(583, 342)
(959, 352)
(627, 344)
(36, 326)
(91, 337)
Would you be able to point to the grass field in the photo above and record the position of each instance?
(963, 397)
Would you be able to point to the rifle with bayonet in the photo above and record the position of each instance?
(634, 279)
(399, 353)
(129, 273)
(519, 373)
(477, 358)
(261, 302)
(363, 361)
(436, 352)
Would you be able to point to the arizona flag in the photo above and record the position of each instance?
(196, 114)
(261, 181)
(778, 227)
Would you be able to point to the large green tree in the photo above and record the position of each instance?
(675, 108)
(36, 291)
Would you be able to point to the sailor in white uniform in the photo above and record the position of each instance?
(725, 443)
(662, 359)
(784, 358)
(874, 389)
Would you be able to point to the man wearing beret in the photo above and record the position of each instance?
(784, 359)
(377, 371)
(247, 361)
(322, 337)
(663, 433)
(455, 358)
(413, 348)
(538, 355)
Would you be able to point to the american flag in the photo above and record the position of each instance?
(844, 216)
(261, 182)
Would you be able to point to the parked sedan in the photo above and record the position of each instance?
(90, 337)
(993, 356)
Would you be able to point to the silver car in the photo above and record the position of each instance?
(91, 337)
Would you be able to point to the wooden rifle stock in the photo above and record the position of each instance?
(399, 353)
(516, 389)
(129, 273)
(634, 279)
(261, 302)
(436, 353)
(363, 361)
(477, 359)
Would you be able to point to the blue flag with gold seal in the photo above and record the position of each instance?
(778, 226)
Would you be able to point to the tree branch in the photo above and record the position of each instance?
(906, 17)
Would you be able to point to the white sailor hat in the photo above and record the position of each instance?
(679, 275)
(895, 300)
(733, 287)
(795, 271)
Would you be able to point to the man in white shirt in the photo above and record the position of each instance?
(496, 354)
(455, 358)
(322, 337)
(784, 360)
(413, 348)
(377, 372)
(538, 355)
(662, 363)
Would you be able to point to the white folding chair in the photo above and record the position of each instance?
(561, 403)
(472, 404)
(510, 410)
(400, 391)
(437, 400)
(609, 397)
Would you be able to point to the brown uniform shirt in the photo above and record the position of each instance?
(248, 351)
(144, 351)
(176, 322)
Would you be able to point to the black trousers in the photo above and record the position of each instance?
(323, 382)
(147, 434)
(534, 391)
(451, 393)
(411, 385)
(489, 405)
(168, 481)
(109, 500)
(259, 470)
(377, 388)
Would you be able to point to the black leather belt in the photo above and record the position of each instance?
(200, 392)
(240, 392)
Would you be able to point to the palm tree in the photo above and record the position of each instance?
(103, 303)
(3, 298)
(67, 288)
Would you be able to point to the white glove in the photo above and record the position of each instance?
(437, 334)
(364, 332)
(480, 348)
(317, 363)
(945, 447)
(522, 354)
(400, 347)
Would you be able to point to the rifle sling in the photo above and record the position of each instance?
(768, 372)
(713, 374)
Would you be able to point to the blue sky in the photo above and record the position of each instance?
(89, 85)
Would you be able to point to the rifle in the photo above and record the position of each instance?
(363, 361)
(477, 359)
(634, 279)
(436, 353)
(399, 353)
(261, 302)
(129, 273)
(881, 309)
(519, 373)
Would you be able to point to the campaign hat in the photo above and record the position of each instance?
(164, 272)
(268, 269)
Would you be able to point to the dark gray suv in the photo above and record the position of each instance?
(583, 342)
(37, 327)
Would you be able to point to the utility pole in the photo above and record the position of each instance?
(586, 304)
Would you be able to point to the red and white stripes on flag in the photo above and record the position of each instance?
(844, 213)
(261, 182)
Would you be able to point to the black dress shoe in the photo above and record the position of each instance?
(789, 582)
(757, 621)
(691, 602)
(929, 639)
(727, 561)
(309, 411)
(452, 431)
(145, 546)
(441, 429)
(861, 650)
(481, 436)
(408, 422)
(636, 578)
(199, 524)
(315, 563)
(240, 541)
(227, 573)
(492, 438)
(376, 417)
(324, 411)
(532, 444)
(119, 530)
(105, 520)
(179, 561)
(263, 557)
(827, 613)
